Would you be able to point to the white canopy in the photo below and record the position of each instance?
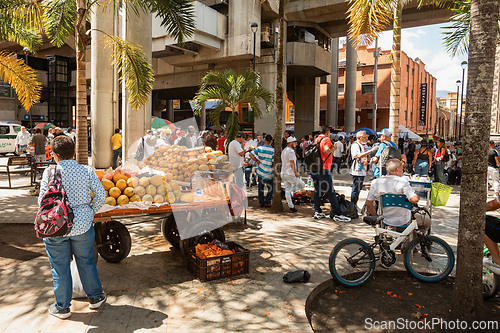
(410, 134)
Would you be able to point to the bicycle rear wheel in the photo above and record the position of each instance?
(491, 282)
(351, 262)
(429, 258)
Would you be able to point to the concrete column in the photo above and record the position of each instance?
(266, 123)
(332, 93)
(306, 105)
(203, 118)
(101, 98)
(242, 13)
(170, 110)
(138, 30)
(350, 88)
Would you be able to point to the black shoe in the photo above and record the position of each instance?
(292, 210)
(95, 303)
(61, 314)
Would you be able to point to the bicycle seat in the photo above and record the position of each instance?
(373, 220)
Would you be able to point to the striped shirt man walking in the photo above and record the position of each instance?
(264, 156)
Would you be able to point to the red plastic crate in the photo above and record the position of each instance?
(213, 268)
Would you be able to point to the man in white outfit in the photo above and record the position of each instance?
(22, 140)
(289, 174)
(337, 153)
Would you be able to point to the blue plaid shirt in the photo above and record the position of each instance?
(77, 181)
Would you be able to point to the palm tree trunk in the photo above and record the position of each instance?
(277, 204)
(396, 71)
(467, 301)
(82, 156)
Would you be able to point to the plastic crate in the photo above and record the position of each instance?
(417, 184)
(213, 268)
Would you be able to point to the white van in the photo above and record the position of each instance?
(8, 134)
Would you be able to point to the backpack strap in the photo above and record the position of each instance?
(319, 147)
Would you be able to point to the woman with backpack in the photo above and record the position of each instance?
(441, 157)
(423, 159)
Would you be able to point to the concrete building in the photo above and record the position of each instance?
(450, 104)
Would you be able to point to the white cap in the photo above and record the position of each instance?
(386, 132)
(291, 139)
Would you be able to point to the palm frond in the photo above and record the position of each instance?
(21, 77)
(214, 115)
(60, 19)
(456, 35)
(367, 19)
(134, 67)
(177, 16)
(232, 126)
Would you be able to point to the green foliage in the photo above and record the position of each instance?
(231, 90)
(20, 22)
(60, 20)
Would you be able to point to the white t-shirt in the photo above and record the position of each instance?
(233, 151)
(358, 167)
(340, 149)
(391, 184)
(287, 156)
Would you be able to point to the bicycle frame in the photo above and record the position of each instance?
(400, 236)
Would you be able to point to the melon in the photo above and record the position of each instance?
(151, 190)
(132, 182)
(144, 181)
(135, 198)
(121, 184)
(158, 199)
(161, 189)
(140, 191)
(156, 180)
(147, 197)
(119, 176)
(170, 198)
(111, 201)
(128, 191)
(115, 192)
(187, 198)
(122, 200)
(107, 184)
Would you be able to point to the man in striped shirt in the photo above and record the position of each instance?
(264, 156)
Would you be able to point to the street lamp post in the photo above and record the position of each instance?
(456, 112)
(254, 27)
(26, 52)
(464, 66)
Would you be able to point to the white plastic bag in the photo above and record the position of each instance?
(78, 291)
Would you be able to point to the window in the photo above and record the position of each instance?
(406, 91)
(367, 88)
(6, 90)
(341, 89)
(412, 94)
(4, 130)
(407, 68)
(406, 115)
(413, 71)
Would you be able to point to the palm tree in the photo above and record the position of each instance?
(62, 19)
(277, 204)
(367, 19)
(230, 90)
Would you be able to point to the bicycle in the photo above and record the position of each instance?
(491, 281)
(428, 258)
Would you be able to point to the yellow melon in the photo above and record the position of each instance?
(158, 199)
(111, 201)
(177, 194)
(155, 180)
(135, 198)
(161, 189)
(128, 191)
(121, 184)
(132, 182)
(151, 190)
(147, 197)
(122, 200)
(119, 176)
(174, 186)
(115, 192)
(144, 181)
(140, 191)
(187, 198)
(170, 198)
(107, 184)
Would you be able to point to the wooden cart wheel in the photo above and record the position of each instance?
(169, 231)
(115, 241)
(204, 236)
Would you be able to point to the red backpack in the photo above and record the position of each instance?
(237, 199)
(55, 216)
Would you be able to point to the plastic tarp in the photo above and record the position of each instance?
(409, 133)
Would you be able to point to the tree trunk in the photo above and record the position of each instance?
(277, 204)
(82, 155)
(396, 72)
(467, 300)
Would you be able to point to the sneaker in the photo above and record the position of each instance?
(292, 210)
(491, 265)
(95, 303)
(341, 218)
(61, 314)
(318, 216)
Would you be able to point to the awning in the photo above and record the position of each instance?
(409, 133)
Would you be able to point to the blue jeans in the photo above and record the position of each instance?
(267, 183)
(357, 185)
(422, 167)
(337, 161)
(439, 169)
(58, 251)
(248, 173)
(116, 153)
(323, 183)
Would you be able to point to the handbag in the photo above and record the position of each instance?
(139, 154)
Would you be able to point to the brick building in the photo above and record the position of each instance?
(413, 75)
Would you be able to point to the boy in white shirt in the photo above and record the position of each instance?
(289, 174)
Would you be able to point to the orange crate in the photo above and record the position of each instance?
(212, 268)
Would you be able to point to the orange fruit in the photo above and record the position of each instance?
(151, 190)
(107, 184)
(119, 176)
(128, 191)
(122, 200)
(111, 201)
(135, 198)
(140, 191)
(115, 192)
(132, 182)
(121, 184)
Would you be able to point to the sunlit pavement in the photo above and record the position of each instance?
(151, 291)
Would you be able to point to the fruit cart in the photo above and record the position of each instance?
(114, 241)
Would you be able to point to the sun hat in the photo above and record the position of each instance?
(291, 139)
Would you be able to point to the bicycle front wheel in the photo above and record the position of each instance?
(429, 258)
(351, 262)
